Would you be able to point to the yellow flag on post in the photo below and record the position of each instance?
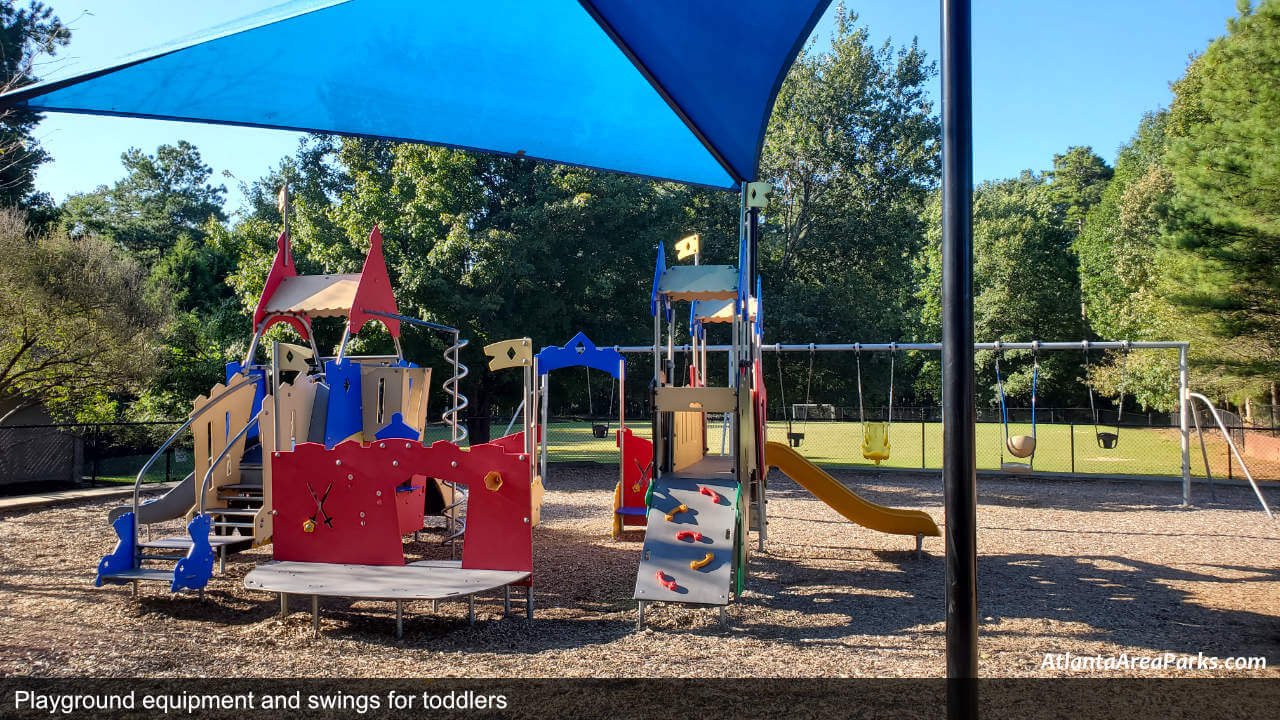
(688, 246)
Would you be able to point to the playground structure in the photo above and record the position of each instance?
(701, 507)
(330, 467)
(238, 427)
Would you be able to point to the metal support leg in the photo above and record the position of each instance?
(724, 616)
(284, 605)
(315, 615)
(471, 609)
(506, 599)
(135, 589)
(919, 545)
(222, 560)
(399, 618)
(528, 604)
(435, 606)
(639, 615)
(200, 594)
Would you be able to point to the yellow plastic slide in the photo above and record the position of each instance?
(845, 501)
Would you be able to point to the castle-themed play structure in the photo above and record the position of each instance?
(330, 466)
(325, 457)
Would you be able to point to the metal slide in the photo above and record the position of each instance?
(170, 506)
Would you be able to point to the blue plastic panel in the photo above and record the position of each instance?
(579, 352)
(344, 417)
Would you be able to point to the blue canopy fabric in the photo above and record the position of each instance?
(669, 89)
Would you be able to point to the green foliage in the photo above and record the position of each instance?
(28, 34)
(161, 198)
(1225, 214)
(1076, 183)
(852, 150)
(1026, 286)
(498, 247)
(76, 327)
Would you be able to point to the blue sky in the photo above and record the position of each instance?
(1047, 75)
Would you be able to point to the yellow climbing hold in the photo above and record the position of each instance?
(671, 516)
(699, 564)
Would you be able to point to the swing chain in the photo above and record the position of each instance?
(893, 355)
(862, 418)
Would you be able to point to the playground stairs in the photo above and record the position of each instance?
(186, 562)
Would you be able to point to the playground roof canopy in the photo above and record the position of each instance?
(668, 89)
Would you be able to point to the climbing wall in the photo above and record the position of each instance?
(688, 545)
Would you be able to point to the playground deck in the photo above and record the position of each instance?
(1082, 567)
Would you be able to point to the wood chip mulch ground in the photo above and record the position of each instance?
(1090, 567)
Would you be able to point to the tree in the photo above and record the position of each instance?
(1026, 284)
(1076, 183)
(75, 322)
(1225, 215)
(498, 247)
(161, 198)
(852, 152)
(1123, 271)
(28, 35)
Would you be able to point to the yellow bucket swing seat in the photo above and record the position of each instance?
(875, 435)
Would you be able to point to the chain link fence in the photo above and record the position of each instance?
(1066, 442)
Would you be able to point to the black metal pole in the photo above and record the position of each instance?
(959, 467)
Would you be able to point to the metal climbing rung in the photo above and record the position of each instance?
(241, 512)
(232, 525)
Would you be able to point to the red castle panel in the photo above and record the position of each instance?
(339, 506)
(374, 291)
(281, 267)
(637, 472)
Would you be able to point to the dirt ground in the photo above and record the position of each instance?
(1088, 568)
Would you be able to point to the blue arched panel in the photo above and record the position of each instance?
(579, 352)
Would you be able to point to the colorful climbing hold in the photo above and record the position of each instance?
(699, 564)
(689, 535)
(715, 497)
(671, 516)
(664, 582)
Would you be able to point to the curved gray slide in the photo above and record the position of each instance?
(170, 506)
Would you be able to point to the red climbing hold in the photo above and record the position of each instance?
(689, 535)
(715, 497)
(664, 582)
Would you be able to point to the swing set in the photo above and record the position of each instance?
(1107, 440)
(875, 435)
(1019, 446)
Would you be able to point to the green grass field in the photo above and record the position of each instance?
(1142, 451)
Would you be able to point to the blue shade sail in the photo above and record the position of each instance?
(669, 89)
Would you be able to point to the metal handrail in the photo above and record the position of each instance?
(137, 484)
(1231, 443)
(208, 474)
